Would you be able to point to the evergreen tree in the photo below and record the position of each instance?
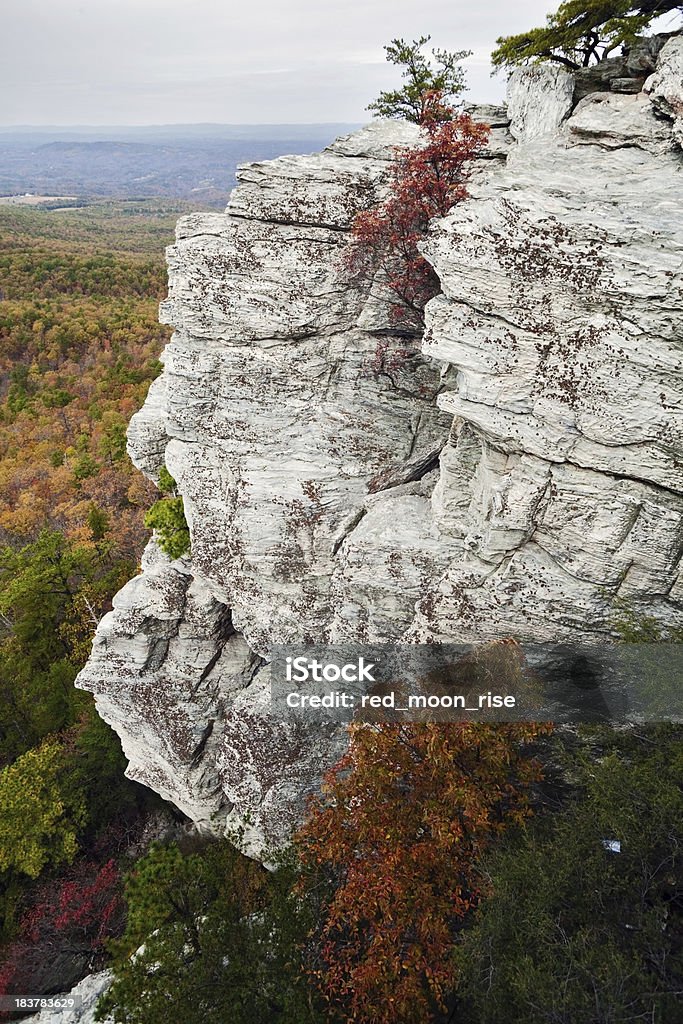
(582, 923)
(211, 936)
(581, 32)
(443, 76)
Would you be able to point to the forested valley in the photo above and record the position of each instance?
(79, 346)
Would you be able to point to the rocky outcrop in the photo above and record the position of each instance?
(287, 404)
(625, 73)
(665, 86)
(540, 100)
(561, 319)
(86, 995)
(513, 473)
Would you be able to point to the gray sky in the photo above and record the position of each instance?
(183, 61)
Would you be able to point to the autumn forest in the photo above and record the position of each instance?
(79, 345)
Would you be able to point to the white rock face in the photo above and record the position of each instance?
(612, 121)
(286, 407)
(168, 663)
(665, 86)
(280, 416)
(514, 478)
(87, 992)
(539, 98)
(561, 319)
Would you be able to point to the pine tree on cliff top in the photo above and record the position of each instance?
(581, 32)
(441, 76)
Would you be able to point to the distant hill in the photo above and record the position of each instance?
(181, 161)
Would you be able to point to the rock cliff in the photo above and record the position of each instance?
(510, 473)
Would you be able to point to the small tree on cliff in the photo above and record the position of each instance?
(427, 182)
(167, 518)
(581, 32)
(424, 79)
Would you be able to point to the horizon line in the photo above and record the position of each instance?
(186, 124)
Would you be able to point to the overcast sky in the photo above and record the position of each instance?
(185, 61)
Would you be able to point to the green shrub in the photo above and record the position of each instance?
(167, 518)
(574, 932)
(167, 484)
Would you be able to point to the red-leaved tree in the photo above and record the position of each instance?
(399, 829)
(86, 909)
(67, 922)
(427, 182)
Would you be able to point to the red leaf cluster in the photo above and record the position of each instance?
(84, 908)
(427, 182)
(67, 917)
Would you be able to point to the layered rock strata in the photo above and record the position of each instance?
(288, 406)
(520, 475)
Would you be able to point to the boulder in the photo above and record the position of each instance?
(539, 98)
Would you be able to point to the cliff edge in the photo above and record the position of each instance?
(512, 472)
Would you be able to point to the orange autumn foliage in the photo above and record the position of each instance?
(399, 829)
(79, 341)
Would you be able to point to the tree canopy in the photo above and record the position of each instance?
(581, 32)
(425, 79)
(403, 818)
(79, 341)
(582, 917)
(39, 818)
(210, 936)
